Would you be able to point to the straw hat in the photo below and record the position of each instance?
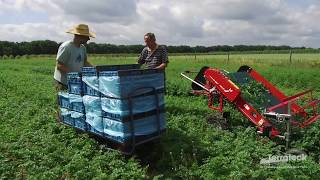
(81, 29)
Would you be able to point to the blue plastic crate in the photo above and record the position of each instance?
(75, 83)
(142, 106)
(89, 71)
(66, 117)
(119, 84)
(118, 139)
(88, 90)
(94, 124)
(79, 120)
(92, 105)
(94, 131)
(90, 81)
(63, 98)
(121, 132)
(76, 103)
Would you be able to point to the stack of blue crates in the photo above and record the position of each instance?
(92, 100)
(76, 107)
(116, 102)
(75, 83)
(132, 103)
(64, 103)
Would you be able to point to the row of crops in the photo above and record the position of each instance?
(34, 146)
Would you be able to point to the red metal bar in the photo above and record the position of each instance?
(309, 121)
(210, 103)
(312, 103)
(254, 116)
(297, 95)
(296, 123)
(222, 83)
(285, 100)
(290, 100)
(281, 104)
(273, 90)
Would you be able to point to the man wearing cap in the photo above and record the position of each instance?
(72, 55)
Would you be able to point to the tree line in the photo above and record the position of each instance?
(51, 47)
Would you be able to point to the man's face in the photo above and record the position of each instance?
(148, 41)
(84, 39)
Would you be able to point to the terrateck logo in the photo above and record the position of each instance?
(282, 159)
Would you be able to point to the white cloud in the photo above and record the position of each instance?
(206, 22)
(97, 11)
(27, 32)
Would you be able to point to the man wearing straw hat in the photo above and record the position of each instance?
(72, 55)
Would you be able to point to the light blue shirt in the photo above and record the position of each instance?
(71, 56)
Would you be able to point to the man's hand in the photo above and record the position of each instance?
(88, 64)
(61, 67)
(162, 66)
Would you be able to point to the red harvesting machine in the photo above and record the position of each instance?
(257, 99)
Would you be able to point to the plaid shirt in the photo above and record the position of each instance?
(159, 56)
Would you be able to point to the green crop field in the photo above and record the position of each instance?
(34, 146)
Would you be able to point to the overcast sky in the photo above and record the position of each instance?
(175, 22)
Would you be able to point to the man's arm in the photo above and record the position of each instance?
(162, 66)
(61, 67)
(164, 58)
(87, 64)
(141, 59)
(63, 57)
